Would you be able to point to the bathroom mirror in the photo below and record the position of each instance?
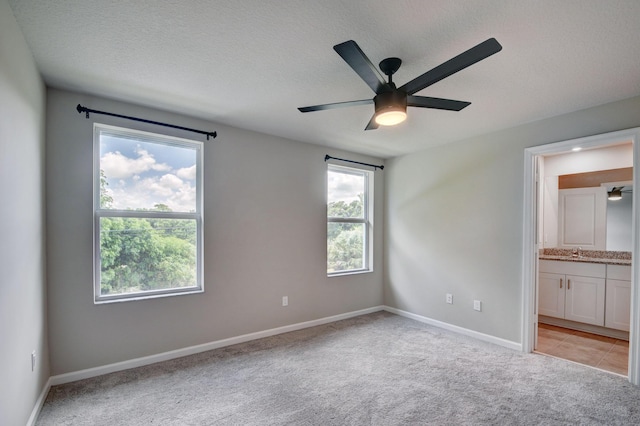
(619, 219)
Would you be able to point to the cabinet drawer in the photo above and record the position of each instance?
(619, 272)
(573, 268)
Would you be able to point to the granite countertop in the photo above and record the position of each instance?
(587, 256)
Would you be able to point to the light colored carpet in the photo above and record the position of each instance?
(377, 369)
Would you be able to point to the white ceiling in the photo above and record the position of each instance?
(251, 63)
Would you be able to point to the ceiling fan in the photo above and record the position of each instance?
(391, 102)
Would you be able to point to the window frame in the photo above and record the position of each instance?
(366, 220)
(98, 212)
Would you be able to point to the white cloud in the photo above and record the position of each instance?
(138, 181)
(146, 192)
(171, 181)
(118, 166)
(345, 187)
(188, 173)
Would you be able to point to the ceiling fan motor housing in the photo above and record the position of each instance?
(392, 100)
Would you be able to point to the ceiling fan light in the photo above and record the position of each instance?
(391, 117)
(615, 194)
(391, 108)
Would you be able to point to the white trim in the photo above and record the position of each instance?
(100, 212)
(191, 350)
(461, 330)
(529, 255)
(634, 332)
(366, 219)
(39, 403)
(529, 307)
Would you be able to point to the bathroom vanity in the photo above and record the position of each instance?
(590, 292)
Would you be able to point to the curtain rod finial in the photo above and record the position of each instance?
(80, 109)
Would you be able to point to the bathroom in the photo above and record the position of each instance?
(585, 238)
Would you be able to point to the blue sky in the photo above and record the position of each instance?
(142, 174)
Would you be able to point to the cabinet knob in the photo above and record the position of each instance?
(560, 282)
(568, 284)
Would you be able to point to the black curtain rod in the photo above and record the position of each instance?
(82, 109)
(328, 157)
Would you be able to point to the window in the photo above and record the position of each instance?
(147, 215)
(349, 220)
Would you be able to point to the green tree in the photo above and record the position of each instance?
(161, 207)
(139, 254)
(343, 209)
(345, 241)
(106, 200)
(345, 251)
(181, 228)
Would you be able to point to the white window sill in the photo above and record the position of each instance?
(114, 299)
(342, 274)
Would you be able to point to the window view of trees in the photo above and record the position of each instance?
(347, 219)
(140, 254)
(148, 214)
(345, 241)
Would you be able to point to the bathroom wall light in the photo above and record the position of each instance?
(615, 194)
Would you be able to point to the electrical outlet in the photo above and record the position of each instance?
(477, 305)
(450, 298)
(33, 360)
(285, 300)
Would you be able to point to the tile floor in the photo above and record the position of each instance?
(601, 352)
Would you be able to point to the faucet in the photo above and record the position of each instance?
(576, 252)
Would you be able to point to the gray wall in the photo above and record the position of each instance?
(454, 221)
(265, 237)
(22, 257)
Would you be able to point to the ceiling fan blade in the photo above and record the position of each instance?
(436, 103)
(452, 66)
(372, 124)
(335, 105)
(355, 57)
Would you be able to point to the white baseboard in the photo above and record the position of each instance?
(39, 403)
(191, 350)
(471, 333)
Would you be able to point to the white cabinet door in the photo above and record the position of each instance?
(582, 218)
(551, 294)
(618, 309)
(585, 299)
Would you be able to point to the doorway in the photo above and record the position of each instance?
(595, 350)
(533, 239)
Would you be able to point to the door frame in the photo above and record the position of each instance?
(530, 235)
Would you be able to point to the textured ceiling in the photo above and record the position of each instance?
(251, 63)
